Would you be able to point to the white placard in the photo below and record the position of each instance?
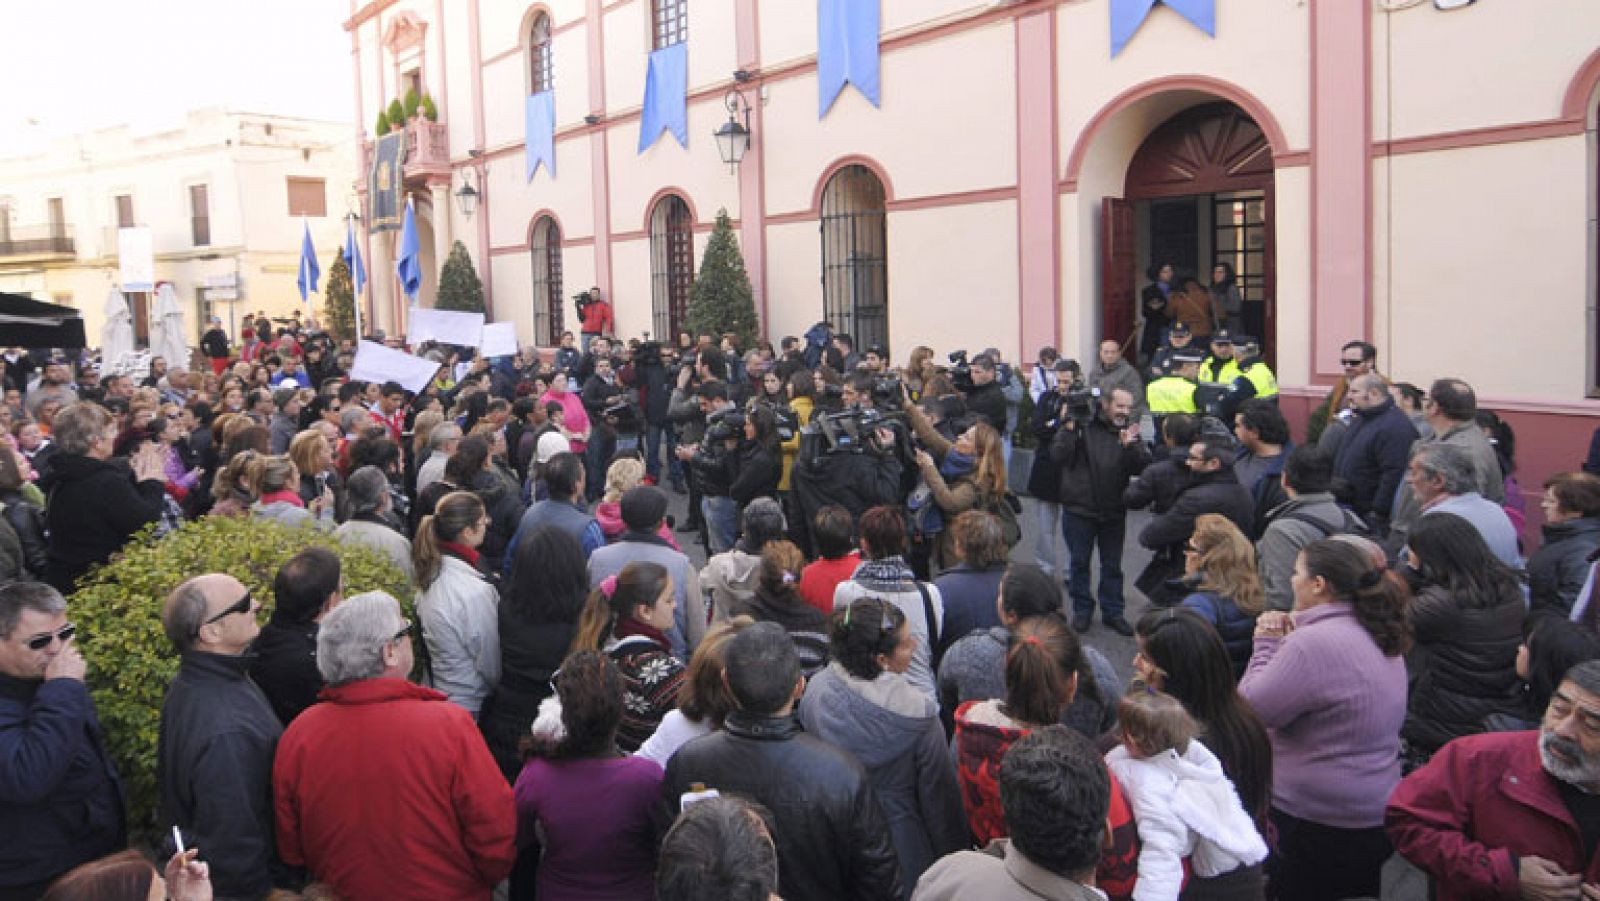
(499, 339)
(444, 326)
(136, 258)
(376, 363)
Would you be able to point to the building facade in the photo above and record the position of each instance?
(1425, 179)
(224, 196)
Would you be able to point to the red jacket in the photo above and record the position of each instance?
(387, 790)
(597, 318)
(1480, 802)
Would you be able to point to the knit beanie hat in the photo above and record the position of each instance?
(643, 507)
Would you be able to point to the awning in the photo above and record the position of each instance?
(25, 322)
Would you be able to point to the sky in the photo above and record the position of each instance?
(77, 65)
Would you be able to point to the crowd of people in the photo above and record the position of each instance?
(870, 690)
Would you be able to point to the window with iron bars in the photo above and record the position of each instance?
(671, 22)
(855, 271)
(540, 56)
(671, 265)
(548, 316)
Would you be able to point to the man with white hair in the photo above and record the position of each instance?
(442, 442)
(385, 789)
(1511, 814)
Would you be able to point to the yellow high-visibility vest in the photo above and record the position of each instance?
(1224, 374)
(1170, 394)
(1261, 377)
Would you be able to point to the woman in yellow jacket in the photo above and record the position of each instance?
(801, 390)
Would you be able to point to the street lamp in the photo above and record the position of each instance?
(733, 138)
(467, 197)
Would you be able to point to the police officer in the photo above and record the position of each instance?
(1175, 393)
(1161, 363)
(1255, 379)
(1220, 367)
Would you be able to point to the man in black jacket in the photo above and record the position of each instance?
(60, 797)
(1376, 449)
(285, 664)
(1097, 459)
(987, 398)
(218, 735)
(832, 839)
(1212, 488)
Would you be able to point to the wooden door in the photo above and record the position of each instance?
(1118, 256)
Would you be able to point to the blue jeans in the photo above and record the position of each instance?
(722, 522)
(1082, 534)
(654, 437)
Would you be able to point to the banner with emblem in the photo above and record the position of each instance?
(386, 182)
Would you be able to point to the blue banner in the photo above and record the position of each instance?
(387, 182)
(539, 133)
(1128, 15)
(847, 50)
(408, 264)
(352, 258)
(666, 97)
(306, 281)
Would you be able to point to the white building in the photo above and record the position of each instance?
(224, 196)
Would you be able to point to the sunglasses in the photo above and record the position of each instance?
(64, 635)
(243, 605)
(1351, 364)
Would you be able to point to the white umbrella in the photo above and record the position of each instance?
(116, 336)
(167, 330)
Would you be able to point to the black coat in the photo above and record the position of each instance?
(214, 768)
(1373, 457)
(95, 507)
(1212, 492)
(756, 473)
(1557, 570)
(989, 401)
(285, 667)
(530, 654)
(1044, 479)
(1096, 468)
(830, 831)
(60, 797)
(28, 522)
(1159, 485)
(1463, 667)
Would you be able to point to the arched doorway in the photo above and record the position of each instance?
(548, 314)
(671, 265)
(855, 254)
(1198, 191)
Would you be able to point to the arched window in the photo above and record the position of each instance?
(670, 21)
(548, 318)
(541, 70)
(671, 265)
(855, 245)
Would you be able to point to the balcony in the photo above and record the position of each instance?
(37, 242)
(427, 153)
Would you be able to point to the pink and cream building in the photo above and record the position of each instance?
(1382, 169)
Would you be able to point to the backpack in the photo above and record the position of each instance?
(1006, 507)
(1352, 525)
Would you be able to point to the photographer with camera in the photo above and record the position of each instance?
(654, 383)
(1044, 479)
(606, 403)
(711, 465)
(980, 383)
(595, 314)
(968, 473)
(1098, 457)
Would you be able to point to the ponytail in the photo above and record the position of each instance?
(1356, 574)
(1039, 665)
(455, 513)
(639, 584)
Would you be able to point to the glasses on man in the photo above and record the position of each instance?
(63, 635)
(1351, 364)
(243, 605)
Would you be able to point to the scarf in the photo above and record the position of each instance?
(627, 626)
(460, 550)
(956, 464)
(292, 498)
(885, 574)
(926, 517)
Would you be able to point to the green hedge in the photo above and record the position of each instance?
(118, 614)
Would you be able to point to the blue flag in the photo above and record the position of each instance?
(352, 258)
(539, 133)
(1128, 15)
(309, 270)
(666, 97)
(409, 263)
(847, 50)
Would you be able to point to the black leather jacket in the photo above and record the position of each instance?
(833, 842)
(1096, 467)
(28, 522)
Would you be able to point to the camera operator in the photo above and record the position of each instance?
(595, 314)
(987, 396)
(714, 465)
(654, 383)
(1044, 480)
(866, 473)
(857, 390)
(1098, 456)
(605, 402)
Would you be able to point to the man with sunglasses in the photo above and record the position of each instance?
(60, 796)
(218, 735)
(1356, 359)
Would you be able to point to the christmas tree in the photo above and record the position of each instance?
(339, 301)
(721, 300)
(459, 287)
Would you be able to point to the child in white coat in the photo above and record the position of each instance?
(1184, 805)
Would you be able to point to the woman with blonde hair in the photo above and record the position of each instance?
(968, 473)
(457, 609)
(313, 457)
(1219, 566)
(628, 617)
(704, 700)
(274, 486)
(230, 490)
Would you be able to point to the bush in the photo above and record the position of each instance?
(397, 114)
(339, 300)
(721, 299)
(118, 614)
(413, 103)
(459, 285)
(430, 110)
(382, 128)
